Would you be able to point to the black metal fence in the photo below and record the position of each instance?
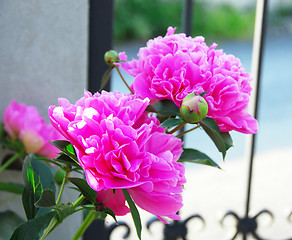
(100, 40)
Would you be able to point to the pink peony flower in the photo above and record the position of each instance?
(24, 123)
(174, 66)
(18, 116)
(120, 147)
(115, 202)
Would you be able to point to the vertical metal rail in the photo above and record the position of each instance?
(100, 35)
(100, 39)
(257, 55)
(247, 225)
(187, 16)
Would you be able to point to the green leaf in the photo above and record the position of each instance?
(37, 228)
(195, 156)
(47, 199)
(64, 159)
(110, 212)
(11, 187)
(167, 107)
(105, 78)
(227, 139)
(64, 210)
(66, 148)
(134, 212)
(203, 94)
(2, 131)
(171, 122)
(37, 177)
(8, 222)
(212, 129)
(84, 188)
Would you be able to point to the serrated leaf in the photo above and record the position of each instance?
(37, 177)
(11, 187)
(212, 129)
(37, 228)
(84, 188)
(8, 222)
(105, 78)
(171, 122)
(67, 148)
(134, 212)
(47, 199)
(195, 156)
(167, 107)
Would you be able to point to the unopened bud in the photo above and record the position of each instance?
(193, 108)
(59, 175)
(111, 57)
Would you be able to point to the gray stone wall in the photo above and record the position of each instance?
(43, 51)
(43, 56)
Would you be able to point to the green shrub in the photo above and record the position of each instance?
(141, 19)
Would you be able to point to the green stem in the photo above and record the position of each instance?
(78, 201)
(87, 221)
(181, 134)
(119, 72)
(10, 161)
(177, 127)
(61, 189)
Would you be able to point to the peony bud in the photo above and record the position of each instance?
(59, 176)
(111, 57)
(193, 108)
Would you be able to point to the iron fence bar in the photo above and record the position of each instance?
(187, 14)
(100, 39)
(257, 54)
(100, 35)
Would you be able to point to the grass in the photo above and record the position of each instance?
(140, 19)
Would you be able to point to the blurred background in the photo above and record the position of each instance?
(43, 56)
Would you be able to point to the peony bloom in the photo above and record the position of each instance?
(174, 66)
(115, 202)
(120, 147)
(24, 123)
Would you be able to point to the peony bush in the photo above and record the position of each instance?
(123, 150)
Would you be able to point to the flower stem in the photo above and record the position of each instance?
(78, 201)
(183, 133)
(119, 72)
(87, 221)
(10, 161)
(177, 127)
(61, 189)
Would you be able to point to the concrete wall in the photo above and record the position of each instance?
(43, 51)
(43, 56)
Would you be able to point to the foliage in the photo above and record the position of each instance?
(151, 18)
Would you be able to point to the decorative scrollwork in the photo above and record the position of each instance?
(113, 226)
(176, 229)
(246, 225)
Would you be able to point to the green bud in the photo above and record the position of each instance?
(193, 108)
(59, 175)
(111, 57)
